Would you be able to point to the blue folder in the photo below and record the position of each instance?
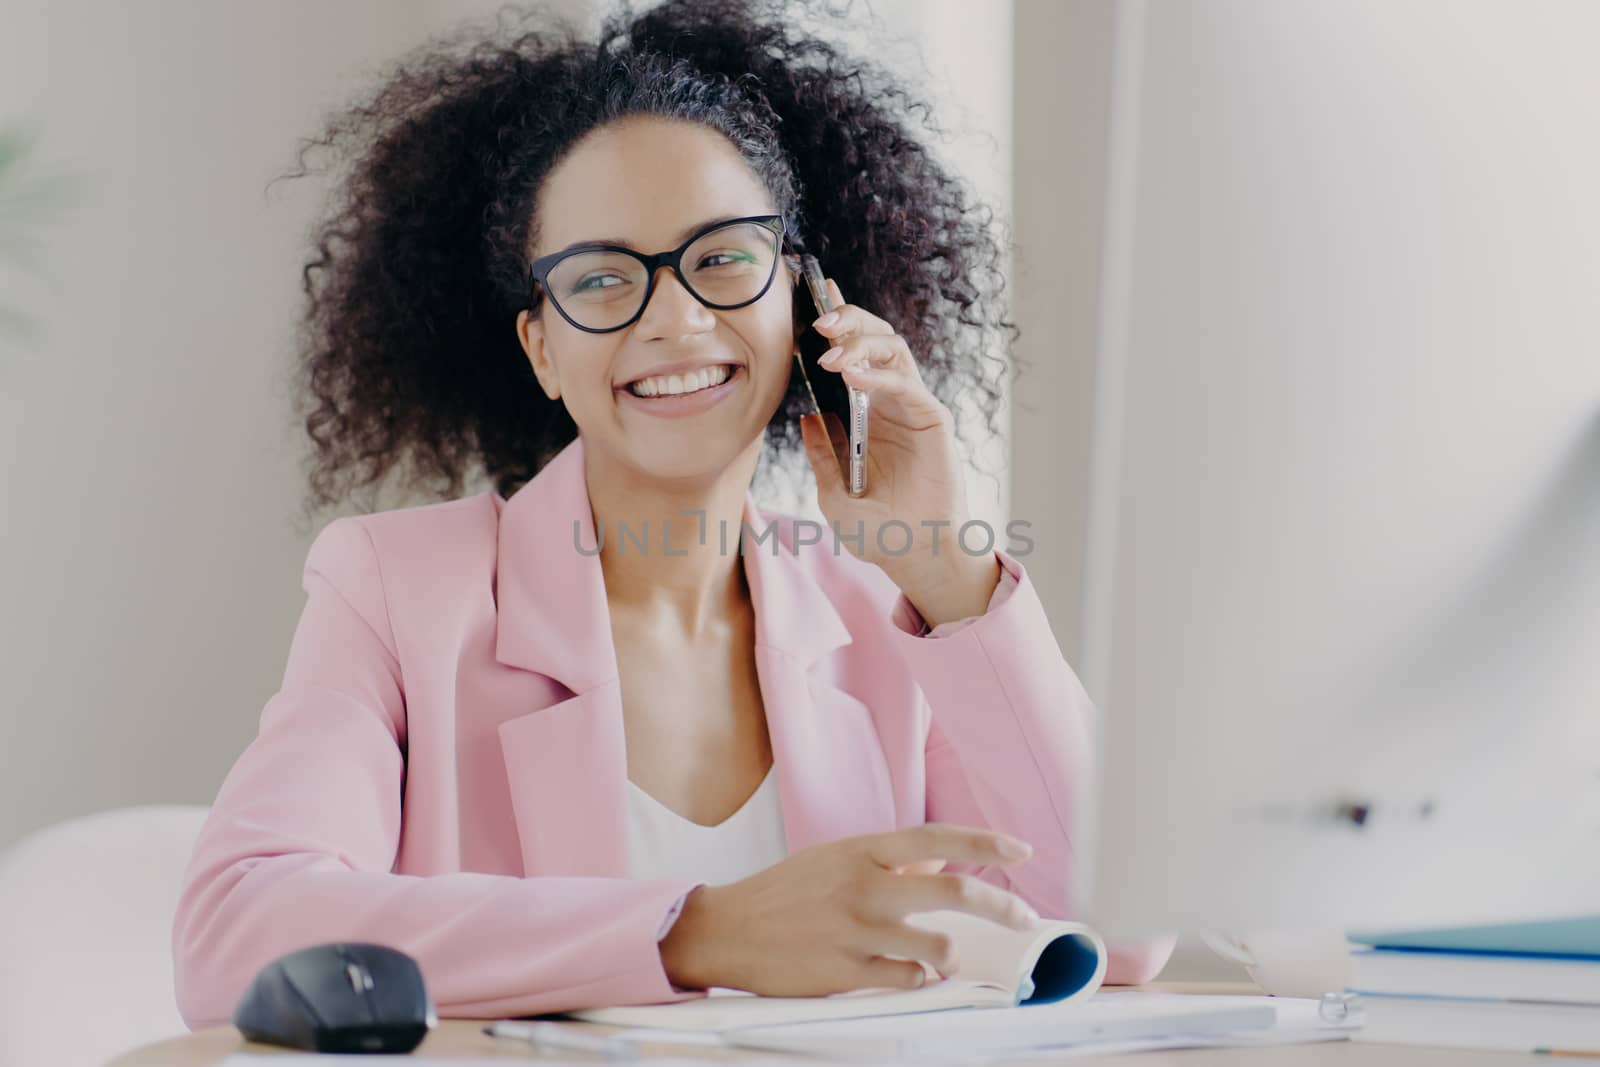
(1575, 937)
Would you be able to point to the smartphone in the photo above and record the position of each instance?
(859, 400)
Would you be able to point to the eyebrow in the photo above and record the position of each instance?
(683, 235)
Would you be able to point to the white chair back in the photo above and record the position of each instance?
(86, 909)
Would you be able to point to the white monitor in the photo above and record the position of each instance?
(1342, 610)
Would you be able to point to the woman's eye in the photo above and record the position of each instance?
(583, 284)
(740, 256)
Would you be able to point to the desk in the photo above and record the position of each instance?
(465, 1037)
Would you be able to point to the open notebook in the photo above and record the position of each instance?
(1053, 963)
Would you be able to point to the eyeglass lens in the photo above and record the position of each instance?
(728, 265)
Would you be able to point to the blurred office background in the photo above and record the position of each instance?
(149, 555)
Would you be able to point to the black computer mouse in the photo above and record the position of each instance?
(341, 997)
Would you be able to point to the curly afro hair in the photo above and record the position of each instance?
(408, 350)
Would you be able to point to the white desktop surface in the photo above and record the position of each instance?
(464, 1038)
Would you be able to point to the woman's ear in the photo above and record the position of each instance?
(530, 331)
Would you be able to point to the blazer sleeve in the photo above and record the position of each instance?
(1010, 743)
(300, 844)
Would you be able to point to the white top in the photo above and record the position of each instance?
(663, 844)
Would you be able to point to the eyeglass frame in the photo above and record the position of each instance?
(539, 270)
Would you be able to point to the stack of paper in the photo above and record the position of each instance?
(983, 1033)
(1109, 1021)
(1524, 987)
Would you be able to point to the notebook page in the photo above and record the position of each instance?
(727, 1009)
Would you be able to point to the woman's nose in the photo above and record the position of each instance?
(672, 309)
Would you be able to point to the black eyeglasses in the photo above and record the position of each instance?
(600, 288)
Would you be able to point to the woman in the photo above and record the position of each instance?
(612, 734)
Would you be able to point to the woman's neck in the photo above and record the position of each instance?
(670, 552)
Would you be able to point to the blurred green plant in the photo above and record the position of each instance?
(29, 203)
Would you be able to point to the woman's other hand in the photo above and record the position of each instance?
(829, 918)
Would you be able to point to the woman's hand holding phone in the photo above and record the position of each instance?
(829, 918)
(914, 471)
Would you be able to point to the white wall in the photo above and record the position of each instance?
(148, 460)
(147, 454)
(1061, 90)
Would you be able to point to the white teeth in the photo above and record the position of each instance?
(677, 385)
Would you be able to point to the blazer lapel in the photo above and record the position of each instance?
(566, 764)
(833, 780)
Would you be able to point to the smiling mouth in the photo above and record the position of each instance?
(666, 387)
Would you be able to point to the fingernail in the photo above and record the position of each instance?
(921, 977)
(830, 356)
(829, 319)
(1015, 850)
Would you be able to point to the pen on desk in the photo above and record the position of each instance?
(1580, 1053)
(555, 1037)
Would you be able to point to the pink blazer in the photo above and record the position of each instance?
(443, 769)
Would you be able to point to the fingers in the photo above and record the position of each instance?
(921, 867)
(936, 948)
(880, 973)
(882, 366)
(877, 351)
(906, 894)
(850, 320)
(967, 893)
(827, 447)
(873, 358)
(904, 390)
(945, 841)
